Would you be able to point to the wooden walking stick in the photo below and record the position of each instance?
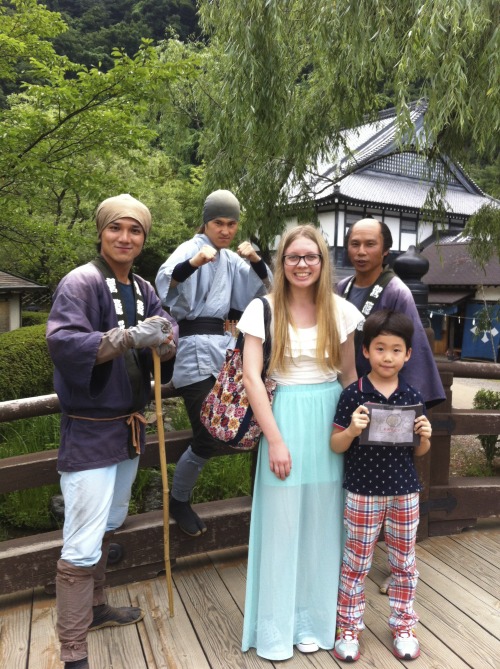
(164, 479)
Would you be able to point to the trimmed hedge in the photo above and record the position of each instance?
(29, 318)
(25, 366)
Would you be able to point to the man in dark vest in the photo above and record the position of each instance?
(103, 323)
(375, 286)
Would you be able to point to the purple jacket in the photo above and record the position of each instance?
(82, 310)
(420, 371)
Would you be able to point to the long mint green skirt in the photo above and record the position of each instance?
(296, 530)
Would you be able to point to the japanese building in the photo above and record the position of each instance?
(13, 291)
(370, 176)
(459, 291)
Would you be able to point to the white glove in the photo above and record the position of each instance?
(150, 333)
(166, 351)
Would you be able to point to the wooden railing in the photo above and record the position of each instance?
(447, 504)
(450, 504)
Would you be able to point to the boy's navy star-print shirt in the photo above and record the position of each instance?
(377, 470)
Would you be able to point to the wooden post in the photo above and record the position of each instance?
(411, 267)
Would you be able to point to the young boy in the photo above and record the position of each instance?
(382, 488)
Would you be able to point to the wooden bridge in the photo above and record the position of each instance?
(457, 599)
(458, 594)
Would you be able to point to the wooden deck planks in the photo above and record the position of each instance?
(461, 590)
(457, 599)
(213, 613)
(117, 647)
(445, 632)
(43, 632)
(172, 642)
(15, 621)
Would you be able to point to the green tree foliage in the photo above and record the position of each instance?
(483, 229)
(20, 39)
(291, 74)
(73, 135)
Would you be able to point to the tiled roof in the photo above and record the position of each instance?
(398, 191)
(368, 167)
(451, 265)
(449, 296)
(15, 283)
(365, 142)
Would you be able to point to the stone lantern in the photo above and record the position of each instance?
(411, 267)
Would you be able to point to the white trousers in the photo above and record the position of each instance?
(95, 501)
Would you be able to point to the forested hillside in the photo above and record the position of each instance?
(98, 26)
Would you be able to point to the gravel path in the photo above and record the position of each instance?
(467, 456)
(463, 390)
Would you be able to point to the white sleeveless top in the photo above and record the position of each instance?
(302, 366)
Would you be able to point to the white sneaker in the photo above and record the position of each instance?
(305, 628)
(346, 645)
(307, 647)
(405, 645)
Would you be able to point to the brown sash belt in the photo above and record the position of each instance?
(133, 419)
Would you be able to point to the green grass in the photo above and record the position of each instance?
(28, 509)
(30, 435)
(177, 414)
(224, 477)
(479, 469)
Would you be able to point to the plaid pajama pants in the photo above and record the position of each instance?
(364, 517)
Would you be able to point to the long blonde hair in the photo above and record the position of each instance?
(328, 342)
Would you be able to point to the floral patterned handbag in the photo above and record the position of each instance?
(225, 411)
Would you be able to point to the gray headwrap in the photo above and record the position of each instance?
(221, 203)
(122, 206)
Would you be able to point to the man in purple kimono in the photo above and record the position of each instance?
(103, 323)
(374, 287)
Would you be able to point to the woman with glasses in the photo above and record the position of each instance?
(295, 542)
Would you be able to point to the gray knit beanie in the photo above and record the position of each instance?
(221, 204)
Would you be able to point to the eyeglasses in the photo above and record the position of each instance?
(309, 259)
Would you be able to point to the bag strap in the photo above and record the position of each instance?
(266, 346)
(267, 329)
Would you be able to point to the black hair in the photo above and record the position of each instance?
(389, 322)
(384, 229)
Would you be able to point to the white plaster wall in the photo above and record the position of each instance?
(490, 294)
(393, 225)
(15, 312)
(407, 239)
(327, 225)
(424, 230)
(341, 230)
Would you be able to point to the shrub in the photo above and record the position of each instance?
(25, 365)
(34, 318)
(488, 399)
